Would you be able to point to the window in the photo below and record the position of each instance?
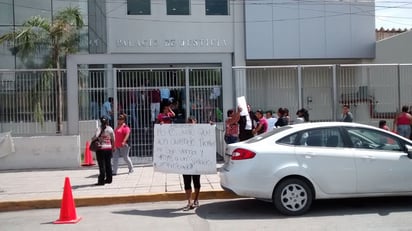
(325, 137)
(6, 12)
(138, 7)
(178, 7)
(288, 140)
(217, 7)
(370, 139)
(26, 9)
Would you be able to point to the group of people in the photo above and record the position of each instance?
(242, 126)
(114, 145)
(402, 123)
(239, 127)
(114, 142)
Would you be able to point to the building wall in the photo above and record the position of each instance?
(279, 29)
(159, 32)
(396, 49)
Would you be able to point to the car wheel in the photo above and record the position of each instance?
(292, 197)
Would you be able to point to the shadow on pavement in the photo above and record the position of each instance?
(82, 186)
(170, 213)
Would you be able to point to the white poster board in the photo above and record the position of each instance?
(184, 148)
(241, 102)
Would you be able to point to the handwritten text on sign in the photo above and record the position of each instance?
(184, 148)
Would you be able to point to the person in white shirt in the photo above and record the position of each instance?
(302, 116)
(271, 120)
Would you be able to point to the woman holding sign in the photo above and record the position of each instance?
(187, 180)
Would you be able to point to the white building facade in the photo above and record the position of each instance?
(197, 47)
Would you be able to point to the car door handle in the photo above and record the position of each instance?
(309, 155)
(368, 157)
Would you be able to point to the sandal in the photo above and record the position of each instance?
(188, 207)
(195, 204)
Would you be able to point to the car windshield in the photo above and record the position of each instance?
(267, 134)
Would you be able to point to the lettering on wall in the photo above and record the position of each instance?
(184, 148)
(168, 43)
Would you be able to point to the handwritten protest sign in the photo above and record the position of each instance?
(184, 148)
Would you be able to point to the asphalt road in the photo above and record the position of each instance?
(223, 215)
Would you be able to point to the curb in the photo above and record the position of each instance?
(109, 200)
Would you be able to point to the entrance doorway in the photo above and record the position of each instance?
(190, 91)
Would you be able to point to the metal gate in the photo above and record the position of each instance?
(191, 91)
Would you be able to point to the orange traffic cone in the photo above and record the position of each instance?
(68, 208)
(88, 158)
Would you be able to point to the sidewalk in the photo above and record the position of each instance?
(30, 189)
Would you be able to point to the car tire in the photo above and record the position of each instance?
(292, 197)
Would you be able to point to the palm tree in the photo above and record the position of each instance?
(61, 37)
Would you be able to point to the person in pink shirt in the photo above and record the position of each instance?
(262, 126)
(166, 116)
(121, 134)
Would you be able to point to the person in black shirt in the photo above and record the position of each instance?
(246, 125)
(282, 119)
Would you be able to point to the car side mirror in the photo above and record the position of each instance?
(409, 151)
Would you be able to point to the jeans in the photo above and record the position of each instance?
(122, 152)
(404, 130)
(231, 139)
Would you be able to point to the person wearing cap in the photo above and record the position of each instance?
(121, 135)
(262, 125)
(105, 151)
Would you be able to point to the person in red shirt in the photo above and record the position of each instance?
(402, 123)
(166, 116)
(232, 126)
(121, 134)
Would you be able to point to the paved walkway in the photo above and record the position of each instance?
(44, 188)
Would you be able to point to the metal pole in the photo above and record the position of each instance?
(187, 92)
(300, 89)
(399, 86)
(334, 93)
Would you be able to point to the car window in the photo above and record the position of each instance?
(372, 139)
(290, 140)
(325, 137)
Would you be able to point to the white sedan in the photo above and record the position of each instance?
(296, 164)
